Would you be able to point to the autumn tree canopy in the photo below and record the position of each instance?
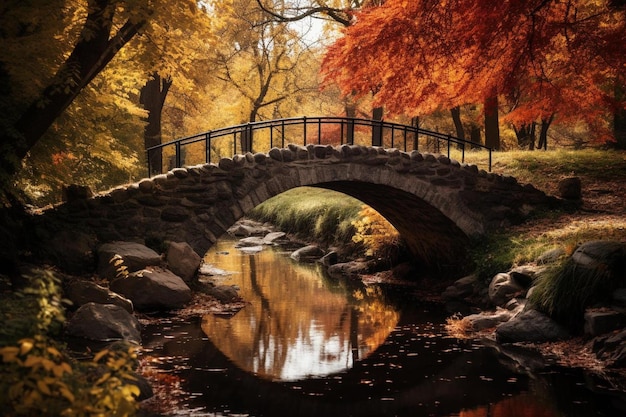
(545, 57)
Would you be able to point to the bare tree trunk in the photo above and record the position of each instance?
(526, 135)
(492, 127)
(152, 97)
(377, 129)
(455, 112)
(619, 120)
(543, 132)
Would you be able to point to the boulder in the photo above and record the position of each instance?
(153, 289)
(602, 320)
(251, 241)
(104, 322)
(272, 237)
(503, 288)
(353, 269)
(531, 326)
(331, 258)
(135, 256)
(611, 348)
(223, 293)
(73, 251)
(81, 292)
(602, 254)
(460, 289)
(307, 253)
(487, 320)
(570, 188)
(182, 260)
(526, 274)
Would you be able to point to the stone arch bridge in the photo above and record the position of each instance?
(436, 203)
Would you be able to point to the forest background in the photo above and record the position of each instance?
(86, 86)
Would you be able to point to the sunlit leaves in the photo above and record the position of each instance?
(555, 57)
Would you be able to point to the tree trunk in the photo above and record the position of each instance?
(377, 129)
(93, 51)
(492, 128)
(619, 120)
(152, 97)
(543, 132)
(458, 125)
(526, 135)
(475, 134)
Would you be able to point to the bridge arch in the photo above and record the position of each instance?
(437, 204)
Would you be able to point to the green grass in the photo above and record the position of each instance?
(313, 213)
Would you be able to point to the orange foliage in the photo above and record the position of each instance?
(544, 57)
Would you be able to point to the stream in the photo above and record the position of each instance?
(309, 345)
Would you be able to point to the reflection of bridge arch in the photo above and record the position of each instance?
(435, 203)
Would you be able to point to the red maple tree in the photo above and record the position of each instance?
(545, 58)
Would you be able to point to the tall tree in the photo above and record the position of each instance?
(85, 37)
(425, 53)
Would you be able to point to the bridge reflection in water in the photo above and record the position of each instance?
(297, 323)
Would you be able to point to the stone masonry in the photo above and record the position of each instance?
(434, 202)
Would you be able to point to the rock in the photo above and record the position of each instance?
(182, 260)
(525, 275)
(153, 289)
(250, 242)
(570, 188)
(611, 348)
(352, 269)
(602, 254)
(602, 320)
(73, 251)
(272, 237)
(74, 192)
(251, 250)
(487, 320)
(104, 322)
(331, 258)
(307, 253)
(530, 326)
(223, 293)
(503, 288)
(460, 289)
(135, 256)
(81, 292)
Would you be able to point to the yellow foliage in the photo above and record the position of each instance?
(374, 231)
(40, 380)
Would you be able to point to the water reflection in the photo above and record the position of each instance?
(297, 324)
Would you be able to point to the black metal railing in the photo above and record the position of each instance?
(209, 146)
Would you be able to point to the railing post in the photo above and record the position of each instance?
(350, 133)
(282, 135)
(178, 159)
(304, 118)
(319, 131)
(149, 163)
(207, 150)
(377, 133)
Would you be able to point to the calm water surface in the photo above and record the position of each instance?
(307, 345)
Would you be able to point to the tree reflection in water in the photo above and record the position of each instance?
(296, 324)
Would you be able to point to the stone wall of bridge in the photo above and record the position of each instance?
(436, 204)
